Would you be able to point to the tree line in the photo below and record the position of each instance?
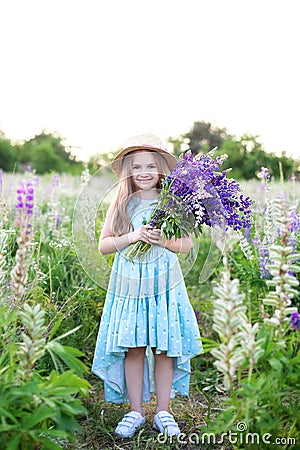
(45, 152)
(246, 155)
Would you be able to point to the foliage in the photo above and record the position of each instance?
(200, 138)
(8, 155)
(260, 362)
(246, 154)
(43, 153)
(267, 400)
(46, 152)
(37, 410)
(41, 380)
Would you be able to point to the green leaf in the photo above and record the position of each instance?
(48, 444)
(71, 409)
(67, 383)
(6, 413)
(13, 444)
(29, 389)
(68, 423)
(276, 364)
(67, 334)
(7, 427)
(38, 416)
(209, 344)
(68, 355)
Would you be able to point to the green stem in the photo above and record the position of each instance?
(139, 250)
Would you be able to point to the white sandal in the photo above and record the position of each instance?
(129, 424)
(164, 422)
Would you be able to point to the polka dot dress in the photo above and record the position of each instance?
(146, 305)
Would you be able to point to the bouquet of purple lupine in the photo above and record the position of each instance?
(195, 193)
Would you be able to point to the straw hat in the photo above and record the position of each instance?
(142, 142)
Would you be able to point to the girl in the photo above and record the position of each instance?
(147, 311)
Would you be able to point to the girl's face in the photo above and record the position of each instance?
(144, 171)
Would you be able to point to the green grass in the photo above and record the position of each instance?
(102, 418)
(190, 412)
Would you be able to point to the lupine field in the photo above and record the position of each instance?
(244, 289)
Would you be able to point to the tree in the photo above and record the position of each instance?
(46, 152)
(44, 158)
(101, 160)
(246, 155)
(201, 137)
(8, 155)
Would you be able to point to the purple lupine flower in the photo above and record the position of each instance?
(292, 242)
(197, 193)
(21, 192)
(25, 207)
(256, 240)
(263, 255)
(282, 196)
(279, 233)
(58, 220)
(265, 176)
(294, 222)
(29, 197)
(25, 198)
(295, 321)
(264, 259)
(55, 180)
(264, 173)
(247, 233)
(208, 194)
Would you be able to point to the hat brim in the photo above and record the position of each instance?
(116, 164)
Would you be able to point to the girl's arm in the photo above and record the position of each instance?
(179, 245)
(110, 244)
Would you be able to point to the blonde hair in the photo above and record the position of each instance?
(121, 223)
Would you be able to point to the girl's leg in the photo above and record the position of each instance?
(163, 375)
(134, 374)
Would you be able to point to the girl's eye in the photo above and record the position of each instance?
(149, 167)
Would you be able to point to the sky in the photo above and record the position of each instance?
(98, 72)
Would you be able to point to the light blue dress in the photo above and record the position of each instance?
(146, 305)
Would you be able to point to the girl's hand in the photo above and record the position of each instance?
(140, 234)
(155, 237)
